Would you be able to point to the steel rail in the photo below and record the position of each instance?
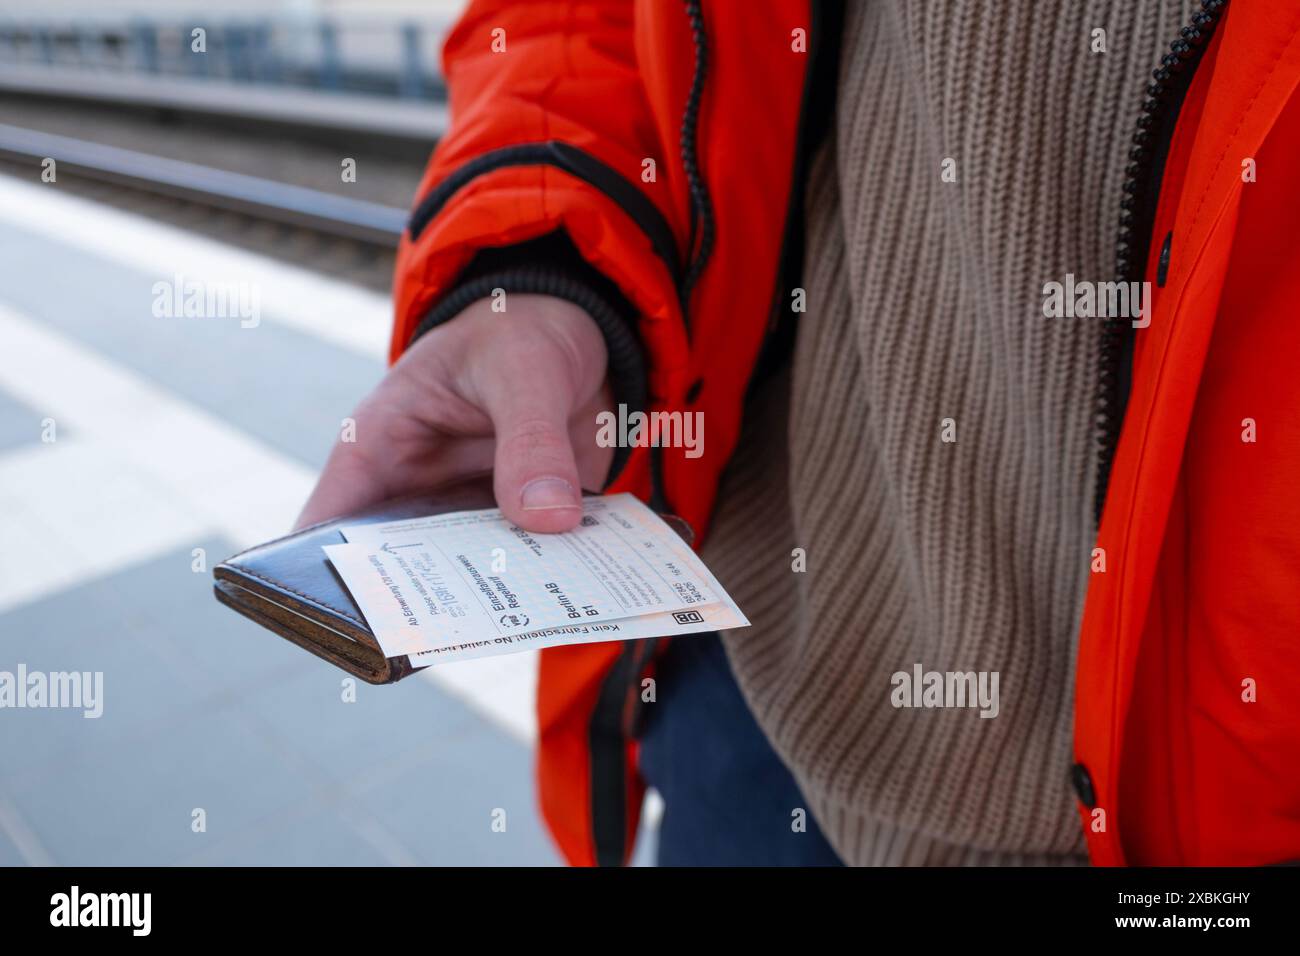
(338, 216)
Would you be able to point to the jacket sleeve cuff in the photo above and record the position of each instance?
(552, 266)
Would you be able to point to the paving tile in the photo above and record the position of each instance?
(288, 389)
(647, 845)
(132, 805)
(19, 424)
(203, 708)
(322, 837)
(443, 807)
(86, 629)
(165, 648)
(9, 855)
(224, 653)
(382, 727)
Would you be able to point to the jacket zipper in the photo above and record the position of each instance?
(1143, 175)
(702, 224)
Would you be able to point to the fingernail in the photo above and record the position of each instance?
(548, 494)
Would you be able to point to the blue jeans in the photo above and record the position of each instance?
(728, 798)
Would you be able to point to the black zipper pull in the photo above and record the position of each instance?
(702, 226)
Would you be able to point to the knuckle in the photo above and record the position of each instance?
(533, 437)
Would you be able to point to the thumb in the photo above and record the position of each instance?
(535, 474)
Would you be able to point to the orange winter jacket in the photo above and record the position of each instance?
(667, 143)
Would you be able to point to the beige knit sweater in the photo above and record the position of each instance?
(924, 304)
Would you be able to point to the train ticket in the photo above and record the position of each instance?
(471, 583)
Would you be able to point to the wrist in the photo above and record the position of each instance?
(550, 269)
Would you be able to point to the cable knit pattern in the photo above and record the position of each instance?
(925, 304)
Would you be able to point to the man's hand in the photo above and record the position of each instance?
(514, 392)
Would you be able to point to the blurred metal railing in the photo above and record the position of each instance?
(396, 58)
(332, 215)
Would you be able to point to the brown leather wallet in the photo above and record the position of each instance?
(288, 585)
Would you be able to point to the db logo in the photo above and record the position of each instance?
(688, 617)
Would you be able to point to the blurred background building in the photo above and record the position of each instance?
(385, 46)
(136, 451)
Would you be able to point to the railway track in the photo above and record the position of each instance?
(347, 238)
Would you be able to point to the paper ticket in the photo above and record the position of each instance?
(711, 617)
(719, 617)
(471, 583)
